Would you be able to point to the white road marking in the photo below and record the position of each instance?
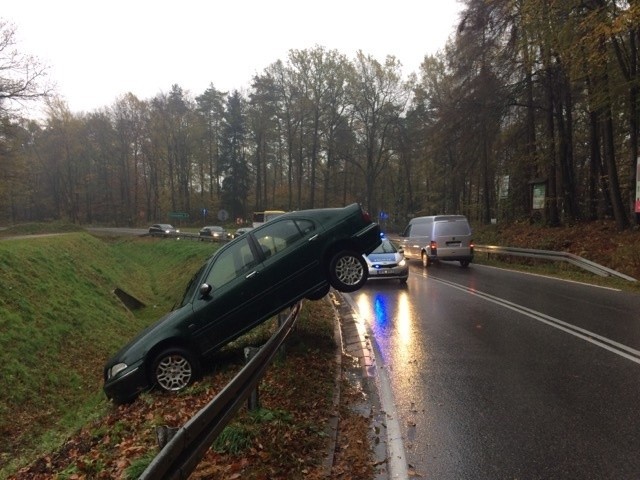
(603, 342)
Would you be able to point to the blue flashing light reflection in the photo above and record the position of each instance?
(380, 308)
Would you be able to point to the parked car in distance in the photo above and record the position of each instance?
(244, 283)
(387, 262)
(242, 231)
(438, 237)
(215, 232)
(162, 229)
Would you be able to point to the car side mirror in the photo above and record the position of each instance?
(401, 251)
(205, 289)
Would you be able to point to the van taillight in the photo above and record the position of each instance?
(366, 216)
(433, 246)
(471, 245)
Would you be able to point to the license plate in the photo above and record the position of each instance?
(383, 271)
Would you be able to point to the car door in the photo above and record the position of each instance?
(291, 253)
(416, 238)
(230, 308)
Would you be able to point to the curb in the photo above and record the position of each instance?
(352, 340)
(332, 427)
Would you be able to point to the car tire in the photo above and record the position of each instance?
(174, 370)
(319, 293)
(464, 263)
(404, 280)
(425, 260)
(347, 271)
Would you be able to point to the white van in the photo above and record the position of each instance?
(438, 237)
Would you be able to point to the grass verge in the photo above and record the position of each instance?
(59, 321)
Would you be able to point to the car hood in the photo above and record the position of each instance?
(383, 257)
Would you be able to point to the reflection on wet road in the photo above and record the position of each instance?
(392, 317)
(486, 387)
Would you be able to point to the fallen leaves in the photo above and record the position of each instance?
(289, 441)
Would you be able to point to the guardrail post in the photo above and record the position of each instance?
(282, 317)
(253, 402)
(164, 433)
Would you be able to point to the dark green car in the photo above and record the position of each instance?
(294, 256)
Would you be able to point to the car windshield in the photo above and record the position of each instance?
(385, 247)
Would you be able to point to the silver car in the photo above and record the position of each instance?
(387, 262)
(215, 233)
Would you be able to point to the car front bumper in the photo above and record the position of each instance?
(126, 385)
(380, 272)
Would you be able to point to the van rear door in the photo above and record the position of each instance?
(453, 239)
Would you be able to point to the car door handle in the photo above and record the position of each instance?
(313, 238)
(251, 274)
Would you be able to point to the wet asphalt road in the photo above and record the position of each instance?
(503, 375)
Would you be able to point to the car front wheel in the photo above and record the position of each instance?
(347, 271)
(174, 369)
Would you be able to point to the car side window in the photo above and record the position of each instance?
(281, 235)
(420, 230)
(306, 227)
(233, 262)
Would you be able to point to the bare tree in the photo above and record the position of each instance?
(20, 75)
(377, 98)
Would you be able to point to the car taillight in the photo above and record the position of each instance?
(471, 245)
(433, 245)
(366, 217)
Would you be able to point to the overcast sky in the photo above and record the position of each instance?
(100, 50)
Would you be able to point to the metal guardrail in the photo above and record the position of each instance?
(189, 236)
(552, 255)
(181, 455)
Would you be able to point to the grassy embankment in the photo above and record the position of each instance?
(59, 321)
(597, 241)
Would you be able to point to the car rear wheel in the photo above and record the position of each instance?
(174, 369)
(425, 260)
(464, 263)
(347, 271)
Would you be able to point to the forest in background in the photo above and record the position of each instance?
(529, 113)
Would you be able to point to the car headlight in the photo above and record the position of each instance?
(402, 263)
(116, 369)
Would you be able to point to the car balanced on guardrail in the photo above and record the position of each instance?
(247, 281)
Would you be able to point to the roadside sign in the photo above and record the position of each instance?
(178, 215)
